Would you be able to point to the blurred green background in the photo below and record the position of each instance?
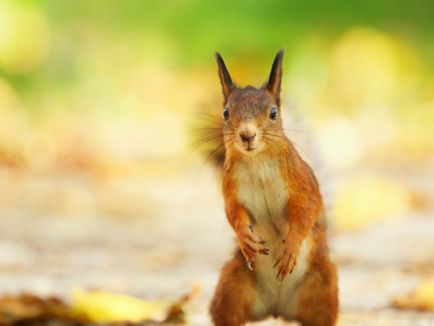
(97, 100)
(117, 80)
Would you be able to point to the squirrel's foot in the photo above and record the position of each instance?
(251, 245)
(286, 261)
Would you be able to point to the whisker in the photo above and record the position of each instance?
(292, 142)
(271, 141)
(219, 147)
(206, 140)
(207, 115)
(215, 131)
(275, 136)
(197, 145)
(210, 136)
(294, 130)
(207, 128)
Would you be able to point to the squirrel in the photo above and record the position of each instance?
(273, 203)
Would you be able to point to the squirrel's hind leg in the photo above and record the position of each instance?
(235, 295)
(317, 296)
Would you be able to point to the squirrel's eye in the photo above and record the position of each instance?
(226, 114)
(273, 114)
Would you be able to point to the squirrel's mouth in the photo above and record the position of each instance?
(249, 147)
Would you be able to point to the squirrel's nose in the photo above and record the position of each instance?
(247, 137)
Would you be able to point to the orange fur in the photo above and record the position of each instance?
(318, 298)
(234, 294)
(274, 205)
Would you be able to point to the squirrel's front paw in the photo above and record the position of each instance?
(250, 244)
(287, 260)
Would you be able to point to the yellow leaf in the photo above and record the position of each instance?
(104, 307)
(421, 299)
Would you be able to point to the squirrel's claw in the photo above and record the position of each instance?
(285, 263)
(284, 270)
(265, 251)
(251, 244)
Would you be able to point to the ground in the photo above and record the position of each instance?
(157, 236)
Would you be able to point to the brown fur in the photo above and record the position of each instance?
(318, 301)
(243, 294)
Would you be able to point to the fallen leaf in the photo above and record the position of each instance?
(105, 307)
(28, 309)
(91, 309)
(422, 299)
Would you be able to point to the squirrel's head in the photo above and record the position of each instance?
(251, 116)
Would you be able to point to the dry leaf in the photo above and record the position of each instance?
(105, 307)
(421, 299)
(109, 307)
(27, 309)
(92, 308)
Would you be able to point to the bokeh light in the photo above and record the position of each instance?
(97, 105)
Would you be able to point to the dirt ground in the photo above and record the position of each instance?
(157, 236)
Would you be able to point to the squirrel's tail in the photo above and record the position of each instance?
(207, 137)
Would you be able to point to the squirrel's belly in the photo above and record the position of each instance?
(262, 190)
(275, 297)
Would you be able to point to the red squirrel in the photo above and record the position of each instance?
(273, 203)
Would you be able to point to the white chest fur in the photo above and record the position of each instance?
(261, 189)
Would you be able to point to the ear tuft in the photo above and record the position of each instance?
(275, 79)
(225, 77)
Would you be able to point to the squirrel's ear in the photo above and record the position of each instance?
(225, 78)
(275, 79)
